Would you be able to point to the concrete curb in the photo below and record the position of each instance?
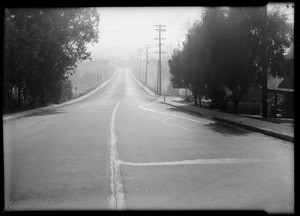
(148, 91)
(28, 113)
(260, 130)
(50, 108)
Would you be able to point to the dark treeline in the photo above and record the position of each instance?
(222, 55)
(41, 50)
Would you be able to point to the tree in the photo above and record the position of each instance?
(223, 52)
(43, 47)
(66, 93)
(22, 38)
(68, 32)
(177, 78)
(188, 66)
(191, 62)
(242, 45)
(213, 36)
(243, 64)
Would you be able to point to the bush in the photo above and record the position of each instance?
(245, 108)
(187, 98)
(85, 92)
(222, 105)
(66, 93)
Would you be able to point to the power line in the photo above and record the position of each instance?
(133, 29)
(169, 26)
(130, 29)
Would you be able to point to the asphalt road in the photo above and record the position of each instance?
(120, 149)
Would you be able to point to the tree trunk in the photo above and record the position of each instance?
(234, 101)
(10, 98)
(43, 98)
(7, 96)
(19, 96)
(235, 106)
(195, 98)
(199, 99)
(36, 102)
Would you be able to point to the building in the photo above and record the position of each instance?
(280, 92)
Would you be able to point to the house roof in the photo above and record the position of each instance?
(287, 83)
(273, 82)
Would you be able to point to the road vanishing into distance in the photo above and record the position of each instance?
(122, 149)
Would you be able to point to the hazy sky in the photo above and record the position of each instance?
(123, 30)
(132, 28)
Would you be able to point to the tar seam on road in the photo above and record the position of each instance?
(117, 199)
(197, 161)
(37, 123)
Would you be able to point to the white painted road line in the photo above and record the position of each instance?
(197, 161)
(173, 125)
(177, 116)
(117, 200)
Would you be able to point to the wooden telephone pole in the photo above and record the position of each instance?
(147, 62)
(141, 64)
(160, 29)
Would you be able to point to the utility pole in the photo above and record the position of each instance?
(147, 62)
(265, 68)
(141, 64)
(160, 29)
(137, 66)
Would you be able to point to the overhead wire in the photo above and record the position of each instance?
(133, 29)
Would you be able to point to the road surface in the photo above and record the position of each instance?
(121, 149)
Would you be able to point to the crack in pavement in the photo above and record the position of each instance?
(37, 123)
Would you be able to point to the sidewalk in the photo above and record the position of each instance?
(279, 130)
(13, 116)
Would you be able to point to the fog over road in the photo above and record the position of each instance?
(121, 149)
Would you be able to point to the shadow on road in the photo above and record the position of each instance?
(227, 130)
(184, 111)
(224, 129)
